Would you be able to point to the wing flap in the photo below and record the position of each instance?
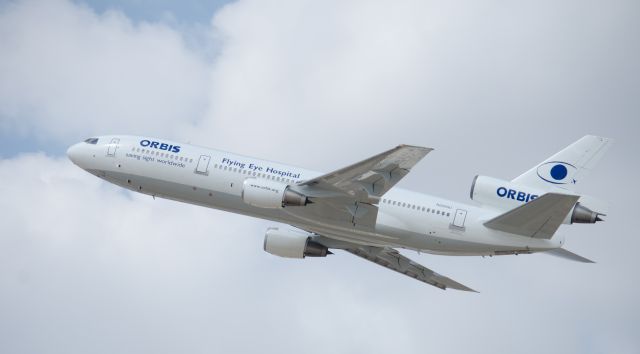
(392, 259)
(539, 218)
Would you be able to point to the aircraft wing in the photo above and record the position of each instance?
(367, 180)
(348, 196)
(392, 259)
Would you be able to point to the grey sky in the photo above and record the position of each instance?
(493, 87)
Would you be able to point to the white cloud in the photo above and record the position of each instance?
(85, 266)
(68, 72)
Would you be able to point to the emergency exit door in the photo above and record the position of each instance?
(459, 218)
(112, 147)
(203, 165)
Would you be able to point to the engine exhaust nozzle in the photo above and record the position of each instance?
(584, 215)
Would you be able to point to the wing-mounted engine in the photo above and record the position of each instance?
(264, 193)
(504, 195)
(292, 244)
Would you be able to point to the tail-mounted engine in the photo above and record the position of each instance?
(292, 244)
(505, 195)
(270, 194)
(584, 215)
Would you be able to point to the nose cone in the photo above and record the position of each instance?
(74, 153)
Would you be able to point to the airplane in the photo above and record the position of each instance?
(357, 208)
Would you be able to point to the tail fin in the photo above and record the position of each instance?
(567, 167)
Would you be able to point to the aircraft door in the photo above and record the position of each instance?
(203, 165)
(112, 147)
(459, 218)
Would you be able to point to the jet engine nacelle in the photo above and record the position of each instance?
(501, 194)
(263, 193)
(292, 244)
(505, 195)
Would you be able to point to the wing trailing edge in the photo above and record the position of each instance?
(392, 259)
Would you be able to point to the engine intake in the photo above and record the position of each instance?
(270, 194)
(292, 244)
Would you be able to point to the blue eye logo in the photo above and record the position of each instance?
(557, 172)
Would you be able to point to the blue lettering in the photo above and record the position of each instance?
(160, 146)
(515, 195)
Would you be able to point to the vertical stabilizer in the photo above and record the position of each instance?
(566, 168)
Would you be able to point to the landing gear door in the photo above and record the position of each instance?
(112, 147)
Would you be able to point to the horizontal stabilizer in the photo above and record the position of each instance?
(539, 218)
(562, 253)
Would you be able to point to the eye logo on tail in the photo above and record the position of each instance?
(557, 172)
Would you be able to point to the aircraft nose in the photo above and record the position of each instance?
(74, 153)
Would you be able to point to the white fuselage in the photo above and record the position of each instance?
(214, 179)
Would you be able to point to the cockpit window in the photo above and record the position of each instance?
(91, 141)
